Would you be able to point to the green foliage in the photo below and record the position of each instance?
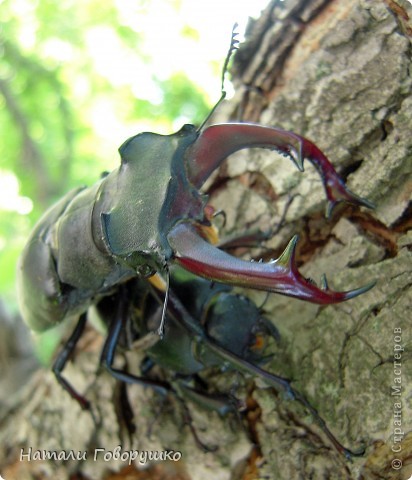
(75, 82)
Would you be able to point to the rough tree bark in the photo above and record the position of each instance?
(339, 73)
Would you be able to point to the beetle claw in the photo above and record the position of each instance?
(217, 142)
(342, 193)
(196, 255)
(287, 257)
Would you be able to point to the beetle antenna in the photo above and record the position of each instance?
(234, 45)
(260, 308)
(160, 330)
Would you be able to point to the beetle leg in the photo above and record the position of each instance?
(279, 276)
(280, 383)
(217, 142)
(222, 404)
(124, 412)
(185, 320)
(107, 356)
(63, 358)
(109, 348)
(188, 420)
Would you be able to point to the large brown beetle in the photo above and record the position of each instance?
(146, 217)
(207, 325)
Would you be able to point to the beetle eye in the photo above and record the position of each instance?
(258, 343)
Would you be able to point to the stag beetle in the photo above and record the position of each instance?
(216, 309)
(202, 330)
(149, 215)
(132, 224)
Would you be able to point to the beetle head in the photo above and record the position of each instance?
(153, 212)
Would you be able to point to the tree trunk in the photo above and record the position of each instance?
(337, 72)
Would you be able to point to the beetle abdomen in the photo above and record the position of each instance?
(61, 270)
(40, 295)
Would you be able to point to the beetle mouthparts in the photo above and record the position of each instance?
(196, 255)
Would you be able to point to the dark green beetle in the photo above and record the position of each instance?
(207, 325)
(148, 216)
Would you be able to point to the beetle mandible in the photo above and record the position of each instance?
(131, 225)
